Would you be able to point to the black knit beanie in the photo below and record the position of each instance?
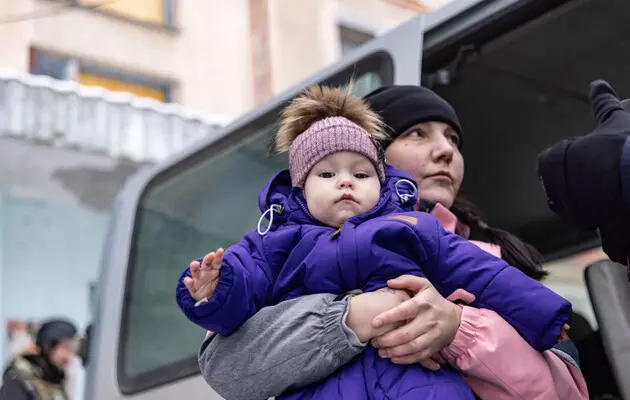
(402, 107)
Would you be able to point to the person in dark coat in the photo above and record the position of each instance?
(587, 178)
(41, 376)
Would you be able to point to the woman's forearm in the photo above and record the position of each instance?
(497, 363)
(290, 345)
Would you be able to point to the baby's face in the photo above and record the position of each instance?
(341, 186)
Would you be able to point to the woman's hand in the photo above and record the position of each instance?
(366, 306)
(430, 324)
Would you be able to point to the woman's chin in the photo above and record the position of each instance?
(440, 195)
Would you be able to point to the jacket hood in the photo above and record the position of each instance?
(398, 193)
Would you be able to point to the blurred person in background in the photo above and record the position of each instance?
(42, 375)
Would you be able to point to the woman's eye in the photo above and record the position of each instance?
(454, 139)
(326, 175)
(415, 134)
(361, 175)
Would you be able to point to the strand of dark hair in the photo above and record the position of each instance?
(514, 251)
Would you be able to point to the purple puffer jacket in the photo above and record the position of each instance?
(300, 256)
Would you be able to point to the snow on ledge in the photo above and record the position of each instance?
(91, 119)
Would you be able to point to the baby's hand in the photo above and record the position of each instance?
(204, 277)
(365, 307)
(389, 298)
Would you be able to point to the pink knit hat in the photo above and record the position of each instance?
(328, 136)
(323, 121)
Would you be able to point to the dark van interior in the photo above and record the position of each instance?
(519, 82)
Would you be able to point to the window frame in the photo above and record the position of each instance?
(126, 77)
(36, 54)
(74, 66)
(379, 62)
(169, 13)
(168, 22)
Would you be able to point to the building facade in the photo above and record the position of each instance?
(221, 57)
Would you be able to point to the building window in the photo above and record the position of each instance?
(65, 68)
(123, 82)
(151, 11)
(44, 63)
(352, 38)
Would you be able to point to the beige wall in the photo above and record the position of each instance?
(377, 15)
(216, 69)
(15, 36)
(302, 39)
(209, 59)
(304, 34)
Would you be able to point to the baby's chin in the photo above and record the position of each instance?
(342, 217)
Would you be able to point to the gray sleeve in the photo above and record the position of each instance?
(568, 352)
(290, 345)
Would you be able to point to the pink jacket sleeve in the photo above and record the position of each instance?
(517, 371)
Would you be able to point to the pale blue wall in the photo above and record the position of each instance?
(54, 206)
(49, 255)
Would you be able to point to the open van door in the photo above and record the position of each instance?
(143, 347)
(609, 291)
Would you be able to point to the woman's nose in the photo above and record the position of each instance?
(442, 149)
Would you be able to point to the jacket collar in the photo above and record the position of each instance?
(398, 193)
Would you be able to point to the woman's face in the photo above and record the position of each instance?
(429, 152)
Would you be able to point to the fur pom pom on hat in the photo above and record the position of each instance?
(325, 120)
